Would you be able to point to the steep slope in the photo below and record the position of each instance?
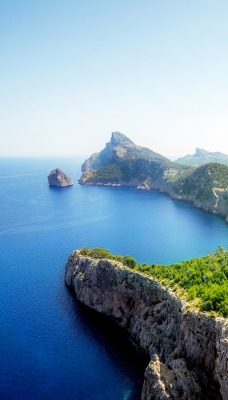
(122, 163)
(120, 147)
(202, 157)
(188, 349)
(207, 188)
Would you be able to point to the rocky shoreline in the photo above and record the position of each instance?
(217, 207)
(188, 349)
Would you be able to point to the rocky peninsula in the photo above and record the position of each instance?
(188, 349)
(123, 163)
(59, 179)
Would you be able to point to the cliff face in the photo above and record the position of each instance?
(188, 349)
(120, 147)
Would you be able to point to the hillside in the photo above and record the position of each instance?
(120, 147)
(123, 163)
(202, 157)
(207, 188)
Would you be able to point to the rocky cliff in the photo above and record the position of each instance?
(59, 178)
(120, 147)
(188, 349)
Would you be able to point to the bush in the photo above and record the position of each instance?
(129, 262)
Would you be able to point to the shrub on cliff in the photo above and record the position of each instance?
(129, 261)
(96, 253)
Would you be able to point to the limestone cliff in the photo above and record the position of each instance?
(188, 349)
(59, 178)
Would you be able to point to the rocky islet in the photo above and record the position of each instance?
(59, 179)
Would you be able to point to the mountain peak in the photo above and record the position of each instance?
(120, 148)
(201, 157)
(119, 138)
(199, 152)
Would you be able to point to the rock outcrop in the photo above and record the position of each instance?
(188, 349)
(59, 178)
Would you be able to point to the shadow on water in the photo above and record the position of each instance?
(115, 343)
(60, 188)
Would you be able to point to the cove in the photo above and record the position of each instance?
(50, 346)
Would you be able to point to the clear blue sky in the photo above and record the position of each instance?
(71, 72)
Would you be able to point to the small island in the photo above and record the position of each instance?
(59, 179)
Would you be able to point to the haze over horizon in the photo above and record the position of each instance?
(74, 72)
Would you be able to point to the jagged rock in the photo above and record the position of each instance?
(174, 381)
(120, 147)
(191, 347)
(59, 178)
(159, 382)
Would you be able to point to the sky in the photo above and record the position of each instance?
(74, 71)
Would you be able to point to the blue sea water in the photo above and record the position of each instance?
(51, 346)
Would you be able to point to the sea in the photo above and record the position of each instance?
(51, 346)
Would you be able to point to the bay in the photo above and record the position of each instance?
(51, 346)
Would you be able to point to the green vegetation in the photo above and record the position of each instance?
(110, 173)
(200, 183)
(202, 281)
(220, 175)
(103, 253)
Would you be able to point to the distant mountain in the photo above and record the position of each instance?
(202, 157)
(120, 148)
(123, 163)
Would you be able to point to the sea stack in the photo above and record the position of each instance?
(59, 178)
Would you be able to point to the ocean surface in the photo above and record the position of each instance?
(51, 347)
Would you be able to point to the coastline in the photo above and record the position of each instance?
(209, 208)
